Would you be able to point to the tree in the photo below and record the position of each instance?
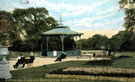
(127, 3)
(69, 43)
(123, 41)
(84, 45)
(97, 42)
(129, 8)
(31, 23)
(56, 44)
(128, 43)
(130, 20)
(7, 30)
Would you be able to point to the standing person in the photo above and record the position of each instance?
(94, 55)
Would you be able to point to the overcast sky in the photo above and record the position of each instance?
(77, 14)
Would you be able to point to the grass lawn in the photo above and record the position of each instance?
(128, 53)
(38, 73)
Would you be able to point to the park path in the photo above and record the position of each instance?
(39, 61)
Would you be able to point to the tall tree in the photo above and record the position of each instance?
(127, 3)
(129, 8)
(129, 23)
(7, 30)
(128, 41)
(31, 23)
(123, 41)
(97, 41)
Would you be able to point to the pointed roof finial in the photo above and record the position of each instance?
(61, 20)
(24, 1)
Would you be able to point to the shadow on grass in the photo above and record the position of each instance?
(106, 62)
(100, 62)
(125, 56)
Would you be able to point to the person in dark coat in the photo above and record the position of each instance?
(63, 56)
(19, 61)
(94, 55)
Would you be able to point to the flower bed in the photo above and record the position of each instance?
(97, 71)
(89, 77)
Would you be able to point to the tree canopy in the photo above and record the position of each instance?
(129, 8)
(30, 24)
(26, 27)
(7, 30)
(123, 41)
(129, 23)
(127, 3)
(96, 42)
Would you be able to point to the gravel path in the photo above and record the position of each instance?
(39, 61)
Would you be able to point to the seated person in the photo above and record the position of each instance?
(19, 61)
(22, 60)
(63, 56)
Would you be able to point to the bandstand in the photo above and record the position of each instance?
(62, 32)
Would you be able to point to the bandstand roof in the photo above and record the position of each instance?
(61, 30)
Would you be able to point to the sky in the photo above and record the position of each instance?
(77, 14)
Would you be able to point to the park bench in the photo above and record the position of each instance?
(22, 61)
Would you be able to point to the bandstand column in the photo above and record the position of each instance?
(76, 42)
(42, 44)
(80, 43)
(47, 37)
(62, 40)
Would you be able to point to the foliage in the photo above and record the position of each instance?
(30, 24)
(7, 30)
(56, 44)
(128, 41)
(69, 43)
(129, 8)
(96, 42)
(129, 23)
(124, 3)
(114, 43)
(123, 41)
(84, 45)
